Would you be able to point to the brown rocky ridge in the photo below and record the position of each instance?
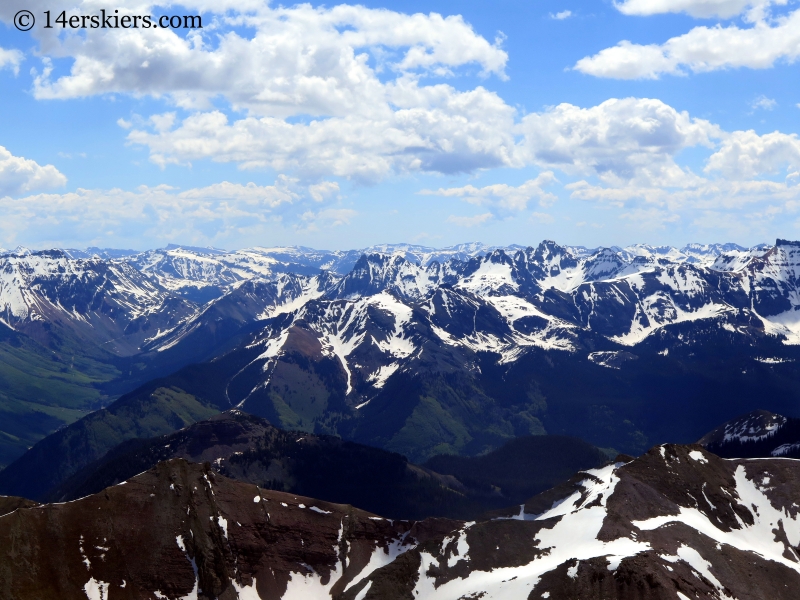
(676, 523)
(181, 530)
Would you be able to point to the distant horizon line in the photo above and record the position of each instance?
(411, 246)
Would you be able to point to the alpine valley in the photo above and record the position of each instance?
(400, 422)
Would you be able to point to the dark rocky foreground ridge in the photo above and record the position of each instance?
(181, 530)
(676, 523)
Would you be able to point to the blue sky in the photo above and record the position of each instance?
(341, 126)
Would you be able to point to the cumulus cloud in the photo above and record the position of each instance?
(696, 8)
(734, 196)
(322, 191)
(440, 130)
(344, 90)
(746, 155)
(470, 221)
(618, 140)
(735, 209)
(501, 195)
(21, 175)
(560, 16)
(702, 49)
(299, 61)
(10, 59)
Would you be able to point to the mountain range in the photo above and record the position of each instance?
(410, 349)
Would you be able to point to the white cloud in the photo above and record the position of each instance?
(251, 195)
(330, 217)
(560, 16)
(700, 50)
(300, 60)
(324, 190)
(222, 213)
(627, 144)
(502, 195)
(696, 8)
(11, 59)
(21, 175)
(628, 61)
(716, 195)
(327, 91)
(448, 132)
(618, 140)
(733, 209)
(745, 154)
(763, 103)
(440, 130)
(470, 221)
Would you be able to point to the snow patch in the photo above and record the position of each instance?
(223, 524)
(698, 456)
(96, 590)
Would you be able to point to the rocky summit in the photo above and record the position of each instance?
(677, 523)
(181, 530)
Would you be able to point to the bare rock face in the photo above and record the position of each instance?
(182, 531)
(677, 523)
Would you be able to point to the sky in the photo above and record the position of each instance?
(340, 126)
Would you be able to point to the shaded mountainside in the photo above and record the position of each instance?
(676, 523)
(756, 434)
(443, 398)
(523, 467)
(247, 448)
(448, 400)
(193, 394)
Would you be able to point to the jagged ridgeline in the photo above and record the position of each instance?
(676, 523)
(413, 350)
